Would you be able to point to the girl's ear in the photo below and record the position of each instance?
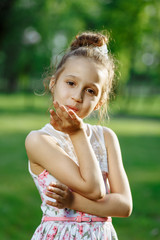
(51, 84)
(96, 107)
(99, 104)
(101, 101)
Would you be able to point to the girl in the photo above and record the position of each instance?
(79, 161)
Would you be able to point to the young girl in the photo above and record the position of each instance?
(77, 167)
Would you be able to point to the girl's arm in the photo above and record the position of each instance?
(118, 181)
(118, 203)
(85, 179)
(112, 204)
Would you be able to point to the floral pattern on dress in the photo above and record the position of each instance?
(61, 230)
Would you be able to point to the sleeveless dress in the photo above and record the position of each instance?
(61, 230)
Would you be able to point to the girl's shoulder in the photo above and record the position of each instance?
(109, 135)
(108, 132)
(46, 134)
(35, 137)
(36, 133)
(47, 130)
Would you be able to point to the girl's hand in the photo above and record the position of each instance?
(65, 120)
(61, 194)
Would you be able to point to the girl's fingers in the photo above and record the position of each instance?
(62, 111)
(56, 104)
(51, 111)
(65, 113)
(58, 198)
(54, 115)
(58, 185)
(55, 204)
(77, 121)
(63, 119)
(55, 120)
(56, 190)
(72, 114)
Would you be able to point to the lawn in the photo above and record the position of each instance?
(139, 135)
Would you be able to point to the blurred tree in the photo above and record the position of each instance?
(34, 32)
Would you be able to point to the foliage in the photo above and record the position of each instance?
(34, 32)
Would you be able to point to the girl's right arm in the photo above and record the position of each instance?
(85, 179)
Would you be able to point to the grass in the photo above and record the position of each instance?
(139, 136)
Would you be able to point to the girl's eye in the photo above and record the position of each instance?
(70, 83)
(90, 91)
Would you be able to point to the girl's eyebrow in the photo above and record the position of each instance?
(72, 76)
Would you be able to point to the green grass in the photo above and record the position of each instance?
(139, 139)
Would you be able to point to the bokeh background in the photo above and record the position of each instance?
(33, 33)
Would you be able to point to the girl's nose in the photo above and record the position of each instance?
(78, 96)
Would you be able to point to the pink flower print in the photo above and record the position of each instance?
(55, 230)
(81, 230)
(67, 235)
(43, 174)
(67, 212)
(40, 228)
(42, 183)
(51, 236)
(83, 214)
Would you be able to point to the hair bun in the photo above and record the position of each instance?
(89, 39)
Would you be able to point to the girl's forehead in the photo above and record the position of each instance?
(80, 61)
(84, 68)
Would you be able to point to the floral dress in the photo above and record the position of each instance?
(61, 230)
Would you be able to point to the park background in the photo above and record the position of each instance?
(33, 33)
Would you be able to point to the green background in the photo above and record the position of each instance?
(33, 33)
(139, 138)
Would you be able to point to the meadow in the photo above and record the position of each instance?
(137, 125)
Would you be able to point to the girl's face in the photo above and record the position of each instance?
(79, 85)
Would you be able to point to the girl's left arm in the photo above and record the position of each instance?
(116, 204)
(120, 196)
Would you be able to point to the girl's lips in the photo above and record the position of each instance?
(72, 108)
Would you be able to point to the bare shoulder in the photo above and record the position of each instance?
(110, 137)
(33, 138)
(36, 138)
(113, 150)
(37, 141)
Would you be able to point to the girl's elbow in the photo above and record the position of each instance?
(96, 194)
(127, 210)
(100, 194)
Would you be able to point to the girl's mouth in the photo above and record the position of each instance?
(72, 108)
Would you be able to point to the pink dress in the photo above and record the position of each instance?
(61, 230)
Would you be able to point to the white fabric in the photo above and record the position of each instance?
(71, 230)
